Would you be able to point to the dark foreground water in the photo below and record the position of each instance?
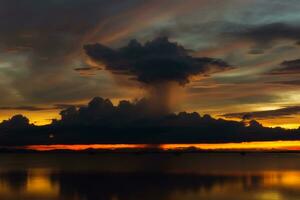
(150, 177)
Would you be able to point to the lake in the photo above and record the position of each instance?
(124, 176)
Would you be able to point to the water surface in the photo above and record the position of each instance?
(211, 176)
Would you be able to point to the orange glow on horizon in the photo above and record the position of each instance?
(80, 147)
(251, 146)
(262, 145)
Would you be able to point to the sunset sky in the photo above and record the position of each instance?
(44, 67)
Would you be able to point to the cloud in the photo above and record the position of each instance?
(288, 67)
(27, 108)
(157, 61)
(282, 112)
(289, 82)
(159, 65)
(133, 122)
(268, 33)
(36, 108)
(17, 122)
(50, 45)
(86, 69)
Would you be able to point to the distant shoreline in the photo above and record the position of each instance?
(145, 151)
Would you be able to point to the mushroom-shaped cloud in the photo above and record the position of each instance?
(156, 61)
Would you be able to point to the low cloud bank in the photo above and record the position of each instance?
(133, 122)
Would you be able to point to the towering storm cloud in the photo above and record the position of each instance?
(158, 64)
(156, 61)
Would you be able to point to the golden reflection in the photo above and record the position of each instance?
(269, 195)
(4, 188)
(263, 185)
(270, 188)
(39, 183)
(289, 179)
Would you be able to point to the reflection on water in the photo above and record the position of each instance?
(31, 184)
(135, 177)
(39, 184)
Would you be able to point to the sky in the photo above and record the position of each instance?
(45, 67)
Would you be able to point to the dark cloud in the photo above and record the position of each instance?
(17, 122)
(288, 67)
(288, 82)
(256, 51)
(47, 38)
(282, 112)
(133, 122)
(26, 108)
(157, 61)
(36, 108)
(83, 69)
(268, 33)
(160, 65)
(64, 106)
(86, 69)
